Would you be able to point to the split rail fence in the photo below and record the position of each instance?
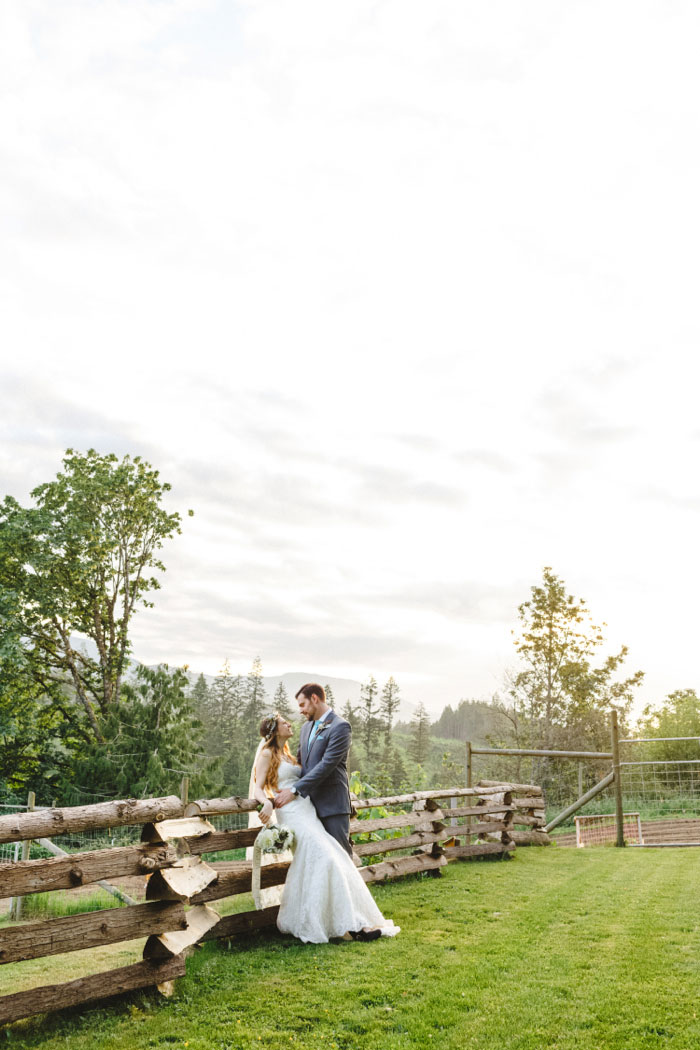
(428, 830)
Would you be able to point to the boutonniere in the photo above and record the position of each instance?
(322, 728)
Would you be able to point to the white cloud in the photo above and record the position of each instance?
(399, 296)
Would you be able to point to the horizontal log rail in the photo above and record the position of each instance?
(219, 841)
(479, 811)
(396, 820)
(236, 877)
(46, 823)
(244, 922)
(515, 751)
(420, 838)
(526, 789)
(87, 989)
(392, 869)
(478, 849)
(81, 869)
(221, 807)
(72, 933)
(417, 796)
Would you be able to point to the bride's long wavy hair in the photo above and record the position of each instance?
(268, 731)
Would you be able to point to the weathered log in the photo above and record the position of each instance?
(479, 811)
(71, 933)
(88, 989)
(244, 922)
(530, 838)
(182, 881)
(505, 785)
(183, 828)
(236, 877)
(81, 869)
(112, 890)
(478, 849)
(429, 804)
(198, 920)
(219, 807)
(497, 798)
(416, 796)
(482, 828)
(530, 821)
(46, 823)
(394, 869)
(420, 838)
(396, 820)
(223, 840)
(529, 802)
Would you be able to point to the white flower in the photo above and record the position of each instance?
(275, 840)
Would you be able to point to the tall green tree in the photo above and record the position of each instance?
(255, 705)
(564, 688)
(369, 714)
(82, 560)
(677, 717)
(420, 735)
(154, 739)
(281, 701)
(37, 737)
(389, 707)
(224, 727)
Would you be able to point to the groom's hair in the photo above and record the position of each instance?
(312, 689)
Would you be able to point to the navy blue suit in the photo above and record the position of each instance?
(324, 775)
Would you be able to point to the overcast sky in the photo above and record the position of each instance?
(401, 297)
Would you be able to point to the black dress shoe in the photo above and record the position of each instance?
(365, 935)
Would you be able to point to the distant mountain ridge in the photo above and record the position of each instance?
(344, 689)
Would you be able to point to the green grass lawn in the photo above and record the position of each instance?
(568, 949)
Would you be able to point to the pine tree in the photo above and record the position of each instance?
(329, 694)
(389, 706)
(420, 735)
(281, 701)
(224, 727)
(352, 715)
(154, 739)
(199, 694)
(369, 717)
(255, 704)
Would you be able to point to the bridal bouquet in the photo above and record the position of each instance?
(275, 840)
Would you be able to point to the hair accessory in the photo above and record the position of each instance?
(271, 725)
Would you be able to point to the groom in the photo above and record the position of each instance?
(323, 755)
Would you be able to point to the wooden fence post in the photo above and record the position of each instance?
(619, 818)
(469, 777)
(17, 903)
(185, 790)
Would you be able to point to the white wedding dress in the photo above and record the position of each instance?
(324, 895)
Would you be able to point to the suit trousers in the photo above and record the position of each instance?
(338, 827)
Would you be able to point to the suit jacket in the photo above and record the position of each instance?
(324, 770)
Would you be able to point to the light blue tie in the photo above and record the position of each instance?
(313, 734)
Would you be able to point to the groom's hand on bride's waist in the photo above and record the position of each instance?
(283, 797)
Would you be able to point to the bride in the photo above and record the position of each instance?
(324, 895)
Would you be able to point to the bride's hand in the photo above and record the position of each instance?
(266, 812)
